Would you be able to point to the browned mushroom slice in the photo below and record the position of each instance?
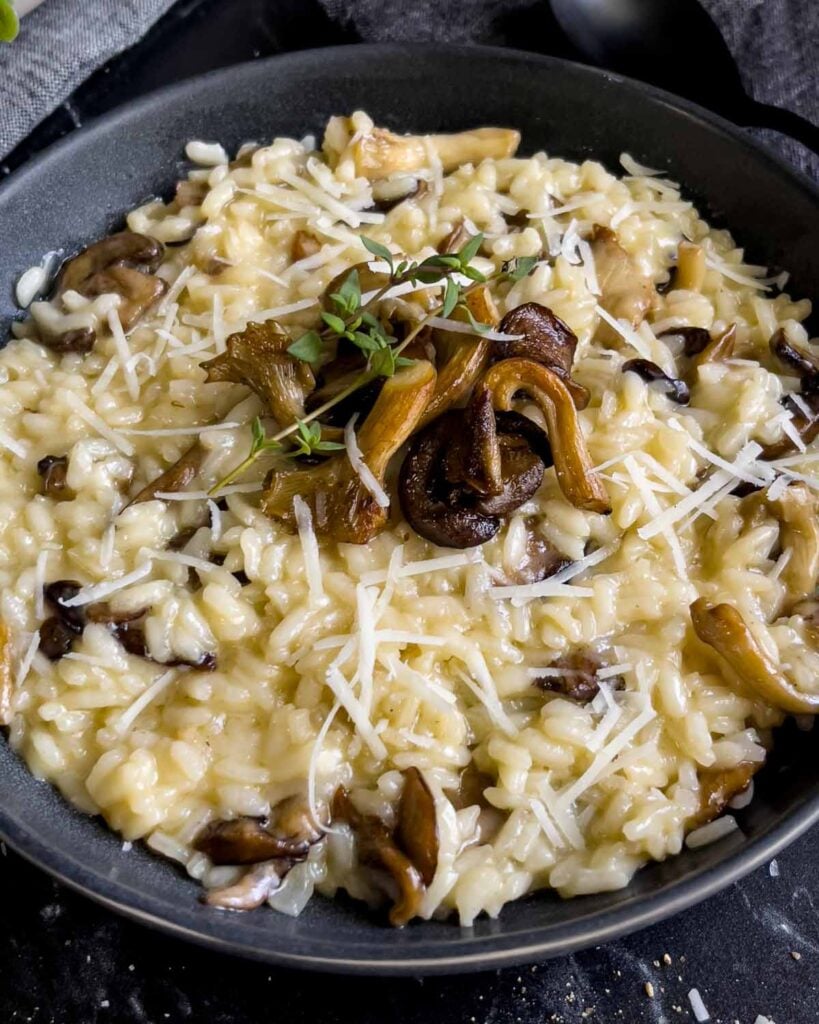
(289, 832)
(417, 829)
(377, 848)
(132, 637)
(690, 272)
(718, 788)
(341, 506)
(190, 193)
(797, 510)
(804, 363)
(695, 339)
(579, 676)
(137, 291)
(577, 479)
(717, 349)
(123, 248)
(462, 473)
(80, 341)
(625, 292)
(676, 390)
(258, 358)
(252, 889)
(304, 244)
(540, 560)
(723, 628)
(460, 358)
(455, 240)
(546, 339)
(380, 153)
(54, 469)
(175, 478)
(6, 676)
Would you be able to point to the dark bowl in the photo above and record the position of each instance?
(79, 190)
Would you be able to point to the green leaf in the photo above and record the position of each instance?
(451, 295)
(446, 262)
(348, 297)
(307, 347)
(521, 267)
(377, 249)
(371, 321)
(383, 362)
(335, 323)
(328, 446)
(9, 22)
(366, 342)
(258, 433)
(469, 251)
(476, 324)
(474, 275)
(403, 361)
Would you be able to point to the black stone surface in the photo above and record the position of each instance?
(752, 950)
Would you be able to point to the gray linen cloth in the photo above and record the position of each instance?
(775, 43)
(60, 44)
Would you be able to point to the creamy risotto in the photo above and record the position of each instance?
(407, 517)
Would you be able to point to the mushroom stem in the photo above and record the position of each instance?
(381, 153)
(573, 465)
(690, 274)
(722, 627)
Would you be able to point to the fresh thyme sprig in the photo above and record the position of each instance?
(354, 322)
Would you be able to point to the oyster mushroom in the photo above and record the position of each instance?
(304, 244)
(126, 248)
(625, 292)
(380, 153)
(417, 828)
(466, 470)
(718, 788)
(461, 358)
(573, 466)
(6, 677)
(806, 366)
(676, 390)
(124, 264)
(252, 889)
(342, 507)
(722, 627)
(289, 832)
(695, 339)
(53, 469)
(258, 358)
(690, 272)
(717, 349)
(797, 510)
(377, 848)
(578, 679)
(175, 478)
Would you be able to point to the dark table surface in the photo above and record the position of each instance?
(753, 950)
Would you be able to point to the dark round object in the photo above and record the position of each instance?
(81, 188)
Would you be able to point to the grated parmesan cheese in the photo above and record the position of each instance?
(123, 354)
(625, 330)
(27, 660)
(99, 424)
(182, 431)
(459, 327)
(695, 500)
(97, 591)
(425, 566)
(309, 548)
(360, 467)
(131, 713)
(346, 698)
(652, 506)
(15, 447)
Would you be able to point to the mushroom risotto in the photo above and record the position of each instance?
(409, 518)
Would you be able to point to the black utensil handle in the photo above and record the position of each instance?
(764, 115)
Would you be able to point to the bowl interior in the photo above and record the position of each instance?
(80, 189)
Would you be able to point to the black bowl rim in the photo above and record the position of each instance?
(490, 952)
